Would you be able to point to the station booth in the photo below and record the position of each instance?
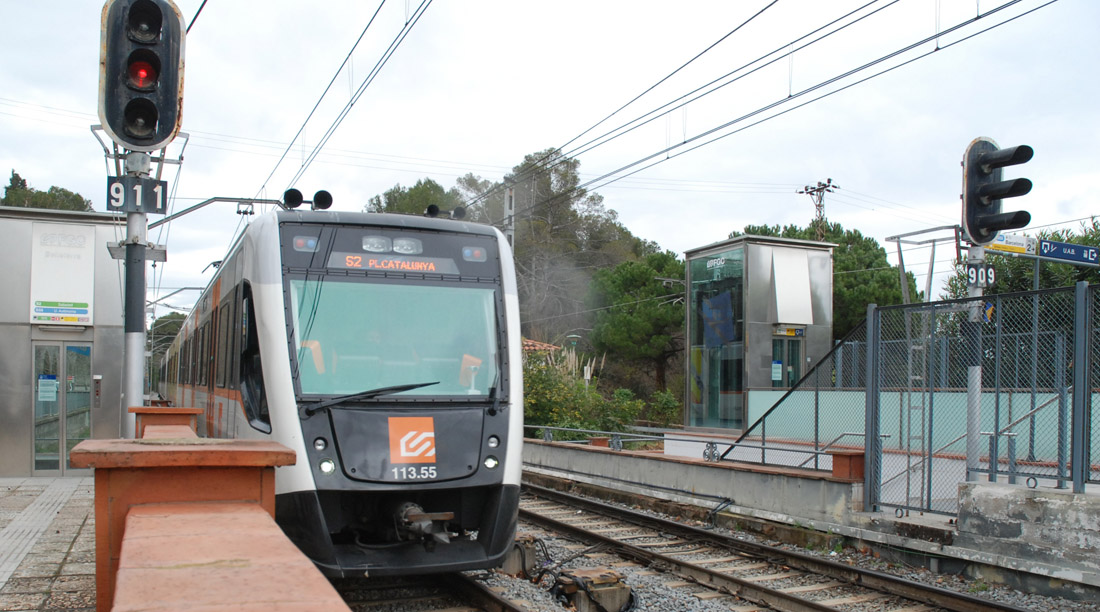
(61, 329)
(759, 314)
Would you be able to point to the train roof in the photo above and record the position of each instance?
(386, 219)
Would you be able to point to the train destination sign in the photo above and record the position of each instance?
(392, 263)
(1069, 252)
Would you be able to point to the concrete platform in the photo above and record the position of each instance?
(47, 544)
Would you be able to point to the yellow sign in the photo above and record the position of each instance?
(1012, 243)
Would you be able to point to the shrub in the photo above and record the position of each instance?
(664, 408)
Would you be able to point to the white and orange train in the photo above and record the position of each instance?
(385, 351)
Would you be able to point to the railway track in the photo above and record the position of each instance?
(436, 593)
(759, 574)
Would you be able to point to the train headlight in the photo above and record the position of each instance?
(491, 462)
(377, 244)
(327, 466)
(320, 444)
(407, 246)
(494, 441)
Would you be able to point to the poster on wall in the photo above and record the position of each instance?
(62, 274)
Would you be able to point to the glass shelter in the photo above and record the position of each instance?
(759, 313)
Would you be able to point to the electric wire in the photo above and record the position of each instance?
(627, 127)
(322, 97)
(669, 153)
(381, 63)
(670, 75)
(197, 13)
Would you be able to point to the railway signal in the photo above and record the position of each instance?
(983, 190)
(141, 72)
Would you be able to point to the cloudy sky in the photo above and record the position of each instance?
(477, 84)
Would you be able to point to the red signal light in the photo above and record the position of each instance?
(142, 74)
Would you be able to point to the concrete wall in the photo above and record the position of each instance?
(785, 491)
(1043, 525)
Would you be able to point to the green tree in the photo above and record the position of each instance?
(414, 200)
(638, 317)
(19, 194)
(562, 234)
(484, 200)
(861, 273)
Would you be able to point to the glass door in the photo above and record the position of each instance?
(62, 403)
(786, 362)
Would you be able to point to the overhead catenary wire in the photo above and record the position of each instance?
(671, 152)
(347, 58)
(655, 113)
(381, 63)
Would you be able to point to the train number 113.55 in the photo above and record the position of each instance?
(426, 472)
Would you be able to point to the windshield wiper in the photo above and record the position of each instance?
(362, 395)
(494, 397)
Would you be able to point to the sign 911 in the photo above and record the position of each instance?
(136, 194)
(980, 275)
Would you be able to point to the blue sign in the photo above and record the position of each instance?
(1069, 252)
(718, 320)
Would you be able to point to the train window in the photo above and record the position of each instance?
(201, 357)
(413, 334)
(188, 363)
(253, 395)
(234, 362)
(222, 352)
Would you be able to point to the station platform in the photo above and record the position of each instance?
(47, 544)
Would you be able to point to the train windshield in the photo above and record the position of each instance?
(354, 334)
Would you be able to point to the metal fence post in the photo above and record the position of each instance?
(872, 443)
(994, 446)
(1080, 424)
(817, 413)
(1063, 407)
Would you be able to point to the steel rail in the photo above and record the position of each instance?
(480, 595)
(871, 579)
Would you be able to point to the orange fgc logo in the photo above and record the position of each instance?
(412, 440)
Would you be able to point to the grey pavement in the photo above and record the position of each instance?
(47, 544)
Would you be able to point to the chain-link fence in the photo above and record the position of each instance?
(993, 373)
(823, 412)
(981, 387)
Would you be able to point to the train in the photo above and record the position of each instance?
(385, 350)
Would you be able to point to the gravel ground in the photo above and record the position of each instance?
(655, 595)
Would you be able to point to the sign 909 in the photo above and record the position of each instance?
(980, 275)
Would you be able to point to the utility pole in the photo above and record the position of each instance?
(817, 194)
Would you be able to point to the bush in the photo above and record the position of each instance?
(664, 408)
(556, 397)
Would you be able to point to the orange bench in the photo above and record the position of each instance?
(215, 556)
(171, 468)
(163, 415)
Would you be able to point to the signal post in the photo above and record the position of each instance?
(140, 106)
(983, 188)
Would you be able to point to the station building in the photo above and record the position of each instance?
(759, 313)
(61, 329)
